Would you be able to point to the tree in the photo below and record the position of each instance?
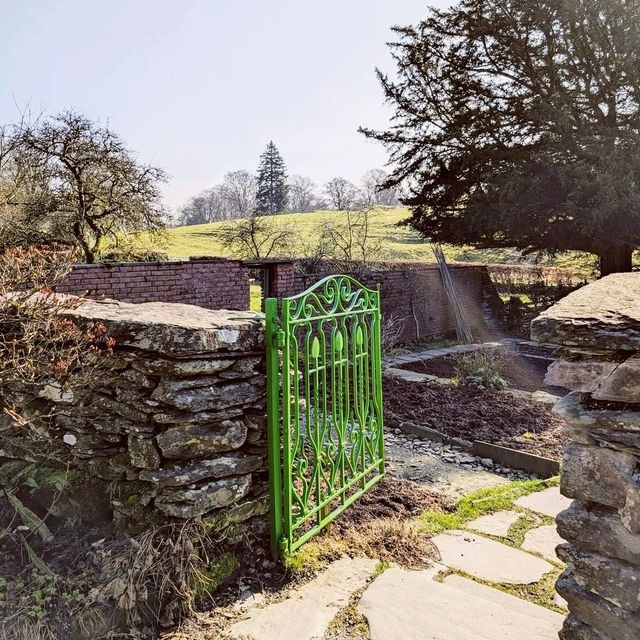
(272, 182)
(209, 206)
(74, 181)
(302, 196)
(517, 123)
(239, 191)
(351, 238)
(342, 194)
(258, 237)
(373, 190)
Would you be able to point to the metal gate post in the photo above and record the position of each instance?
(273, 424)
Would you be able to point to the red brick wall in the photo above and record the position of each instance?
(213, 284)
(412, 292)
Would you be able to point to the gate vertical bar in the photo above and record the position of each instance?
(377, 368)
(273, 423)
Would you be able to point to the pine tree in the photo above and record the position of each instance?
(272, 182)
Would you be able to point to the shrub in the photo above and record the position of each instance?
(481, 369)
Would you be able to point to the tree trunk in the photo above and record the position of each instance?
(615, 259)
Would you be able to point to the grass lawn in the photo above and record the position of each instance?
(398, 242)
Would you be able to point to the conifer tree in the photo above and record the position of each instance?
(272, 182)
(517, 123)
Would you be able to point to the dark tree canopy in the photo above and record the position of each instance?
(272, 186)
(517, 123)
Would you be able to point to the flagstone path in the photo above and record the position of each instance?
(435, 603)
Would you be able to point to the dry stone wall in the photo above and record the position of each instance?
(598, 330)
(178, 408)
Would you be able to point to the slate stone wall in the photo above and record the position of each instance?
(598, 328)
(178, 409)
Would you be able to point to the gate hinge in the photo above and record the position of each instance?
(279, 339)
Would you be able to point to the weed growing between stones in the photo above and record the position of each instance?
(541, 593)
(480, 503)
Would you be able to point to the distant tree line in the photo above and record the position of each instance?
(271, 191)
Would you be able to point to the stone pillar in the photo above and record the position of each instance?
(598, 330)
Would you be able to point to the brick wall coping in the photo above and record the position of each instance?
(153, 263)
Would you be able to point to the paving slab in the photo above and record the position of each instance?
(518, 605)
(413, 606)
(489, 560)
(495, 524)
(548, 502)
(306, 614)
(544, 541)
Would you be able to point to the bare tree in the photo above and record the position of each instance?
(302, 195)
(39, 344)
(76, 182)
(342, 194)
(209, 206)
(239, 189)
(351, 237)
(374, 193)
(257, 237)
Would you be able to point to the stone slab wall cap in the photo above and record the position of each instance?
(171, 328)
(572, 408)
(578, 375)
(604, 315)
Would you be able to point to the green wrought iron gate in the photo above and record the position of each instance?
(324, 397)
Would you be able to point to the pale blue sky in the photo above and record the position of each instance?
(190, 84)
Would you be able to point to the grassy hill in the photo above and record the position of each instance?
(398, 243)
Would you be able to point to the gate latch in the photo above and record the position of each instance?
(280, 339)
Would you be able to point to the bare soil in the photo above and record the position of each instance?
(391, 498)
(462, 412)
(520, 372)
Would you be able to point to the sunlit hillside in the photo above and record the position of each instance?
(397, 242)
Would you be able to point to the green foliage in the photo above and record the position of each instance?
(481, 369)
(216, 574)
(517, 123)
(307, 559)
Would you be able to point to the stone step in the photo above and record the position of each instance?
(413, 606)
